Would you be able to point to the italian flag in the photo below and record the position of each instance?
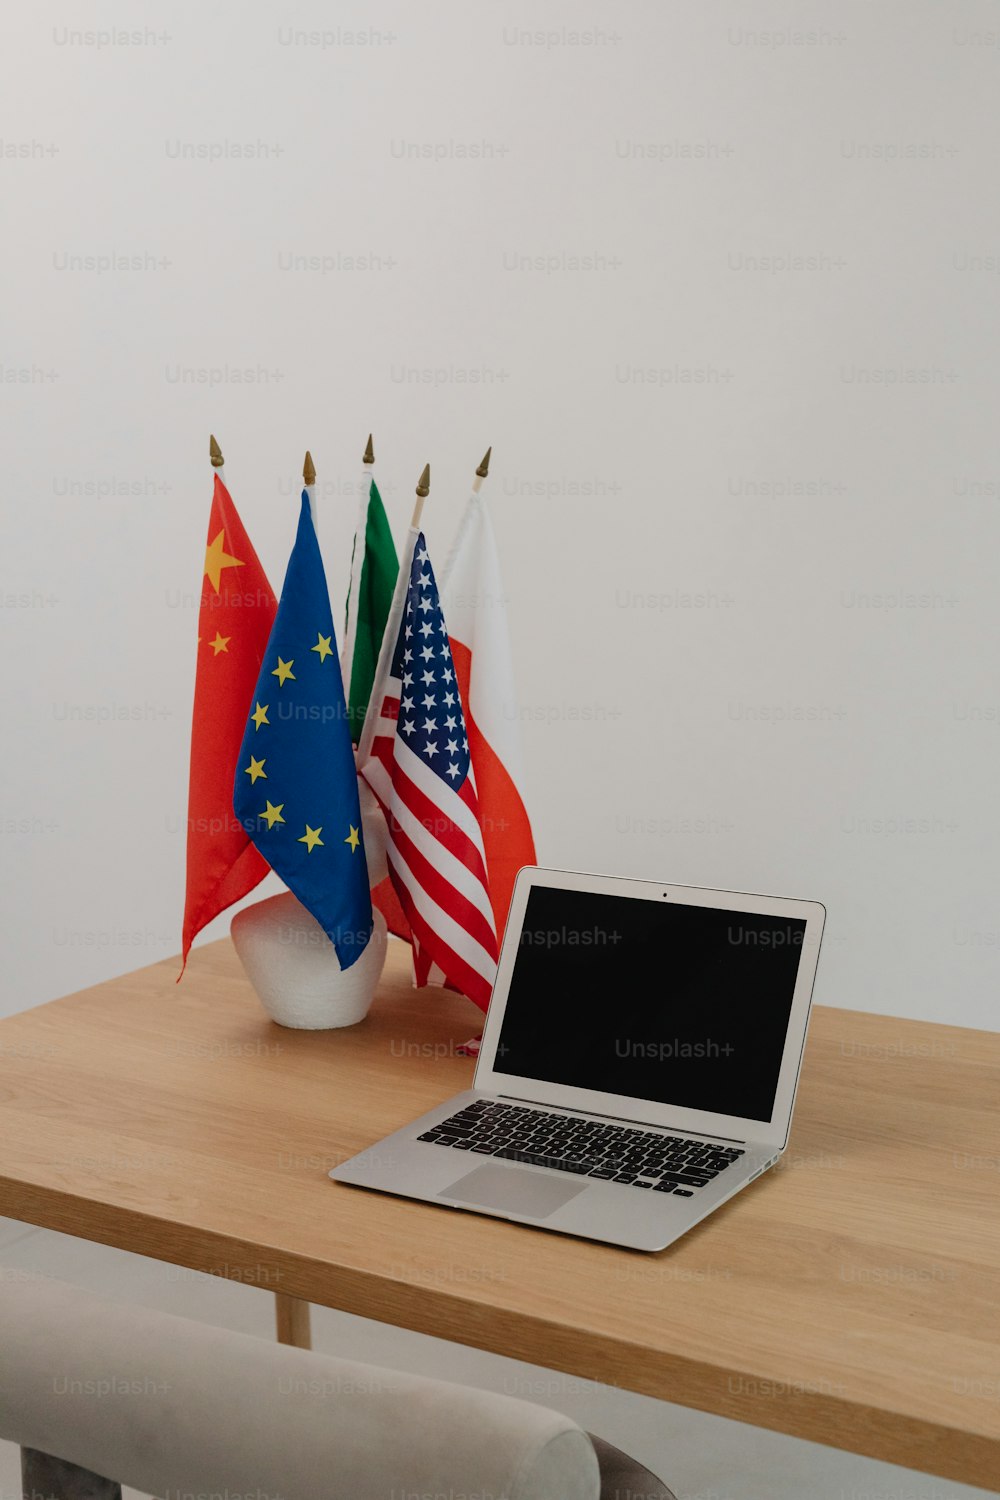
(473, 602)
(370, 594)
(373, 579)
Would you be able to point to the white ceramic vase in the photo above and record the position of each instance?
(294, 968)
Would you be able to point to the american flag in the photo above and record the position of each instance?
(420, 770)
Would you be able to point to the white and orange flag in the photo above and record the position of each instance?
(475, 609)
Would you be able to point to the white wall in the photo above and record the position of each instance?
(773, 522)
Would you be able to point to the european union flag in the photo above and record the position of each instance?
(296, 789)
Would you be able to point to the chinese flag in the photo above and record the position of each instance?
(237, 612)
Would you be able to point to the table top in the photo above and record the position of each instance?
(851, 1296)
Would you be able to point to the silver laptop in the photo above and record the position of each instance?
(638, 1066)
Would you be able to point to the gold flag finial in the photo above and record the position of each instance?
(215, 453)
(308, 469)
(423, 490)
(369, 457)
(484, 467)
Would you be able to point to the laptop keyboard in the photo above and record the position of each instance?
(590, 1148)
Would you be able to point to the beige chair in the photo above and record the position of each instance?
(90, 1387)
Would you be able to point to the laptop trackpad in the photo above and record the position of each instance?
(513, 1190)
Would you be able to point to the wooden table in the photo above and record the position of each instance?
(851, 1297)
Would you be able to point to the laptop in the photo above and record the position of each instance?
(638, 1065)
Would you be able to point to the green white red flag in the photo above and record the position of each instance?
(374, 569)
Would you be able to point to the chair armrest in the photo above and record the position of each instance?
(164, 1404)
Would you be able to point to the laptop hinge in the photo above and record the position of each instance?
(625, 1119)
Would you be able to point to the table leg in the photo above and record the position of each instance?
(292, 1315)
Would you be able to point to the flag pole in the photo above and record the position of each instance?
(368, 474)
(215, 454)
(481, 472)
(357, 563)
(423, 490)
(392, 623)
(367, 479)
(472, 510)
(309, 482)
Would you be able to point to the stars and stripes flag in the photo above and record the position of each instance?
(415, 756)
(236, 613)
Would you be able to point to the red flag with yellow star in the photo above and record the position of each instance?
(237, 612)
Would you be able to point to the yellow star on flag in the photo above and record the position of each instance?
(353, 839)
(311, 838)
(283, 671)
(256, 769)
(259, 716)
(217, 558)
(221, 642)
(272, 814)
(323, 646)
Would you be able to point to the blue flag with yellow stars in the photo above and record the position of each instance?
(296, 790)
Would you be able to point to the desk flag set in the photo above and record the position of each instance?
(423, 821)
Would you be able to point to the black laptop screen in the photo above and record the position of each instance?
(682, 1005)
